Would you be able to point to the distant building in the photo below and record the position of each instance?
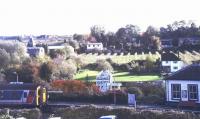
(92, 46)
(189, 41)
(36, 51)
(184, 85)
(105, 82)
(171, 63)
(55, 47)
(31, 43)
(166, 43)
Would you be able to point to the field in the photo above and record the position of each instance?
(118, 76)
(119, 59)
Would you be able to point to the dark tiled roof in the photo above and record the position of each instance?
(191, 72)
(169, 57)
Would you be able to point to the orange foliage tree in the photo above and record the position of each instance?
(75, 87)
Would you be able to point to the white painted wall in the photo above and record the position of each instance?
(173, 64)
(183, 87)
(91, 46)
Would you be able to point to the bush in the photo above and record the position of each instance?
(152, 99)
(103, 65)
(148, 92)
(75, 87)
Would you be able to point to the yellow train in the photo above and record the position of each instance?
(23, 95)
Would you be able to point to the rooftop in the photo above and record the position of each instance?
(191, 72)
(169, 57)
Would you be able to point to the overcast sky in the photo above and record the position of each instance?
(61, 17)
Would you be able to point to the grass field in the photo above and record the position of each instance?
(120, 59)
(118, 76)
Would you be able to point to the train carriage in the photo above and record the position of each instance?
(23, 94)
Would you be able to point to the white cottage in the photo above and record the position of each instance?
(184, 85)
(171, 63)
(105, 82)
(92, 46)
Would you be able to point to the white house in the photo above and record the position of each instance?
(184, 85)
(171, 63)
(105, 82)
(92, 46)
(36, 51)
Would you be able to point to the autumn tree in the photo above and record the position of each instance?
(28, 72)
(46, 70)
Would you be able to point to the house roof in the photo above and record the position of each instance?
(191, 72)
(169, 57)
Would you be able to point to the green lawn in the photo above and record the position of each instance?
(118, 76)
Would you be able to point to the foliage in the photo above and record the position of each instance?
(4, 58)
(74, 44)
(46, 71)
(17, 50)
(103, 65)
(148, 92)
(69, 51)
(75, 87)
(57, 53)
(135, 90)
(28, 72)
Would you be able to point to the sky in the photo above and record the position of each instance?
(66, 17)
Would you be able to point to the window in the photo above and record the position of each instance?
(175, 67)
(25, 94)
(193, 91)
(176, 91)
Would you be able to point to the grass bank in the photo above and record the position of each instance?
(118, 76)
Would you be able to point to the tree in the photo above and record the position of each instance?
(112, 39)
(74, 44)
(126, 36)
(99, 33)
(156, 43)
(16, 50)
(57, 53)
(46, 71)
(148, 37)
(69, 51)
(64, 70)
(104, 65)
(4, 58)
(28, 72)
(149, 64)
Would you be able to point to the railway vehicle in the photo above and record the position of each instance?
(22, 94)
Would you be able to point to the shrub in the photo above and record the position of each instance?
(28, 72)
(46, 71)
(75, 87)
(103, 65)
(4, 58)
